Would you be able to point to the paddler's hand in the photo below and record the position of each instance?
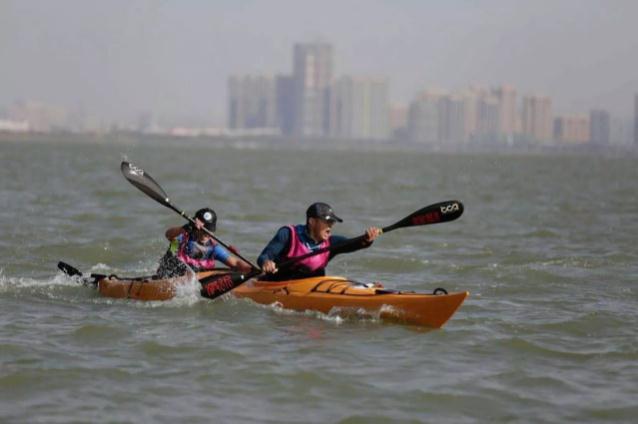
(269, 267)
(199, 224)
(372, 233)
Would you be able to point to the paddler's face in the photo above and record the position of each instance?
(320, 229)
(203, 237)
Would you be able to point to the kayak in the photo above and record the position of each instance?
(147, 288)
(323, 294)
(340, 295)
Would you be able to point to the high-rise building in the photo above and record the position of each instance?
(571, 129)
(537, 118)
(398, 116)
(424, 118)
(312, 75)
(599, 127)
(506, 96)
(252, 102)
(470, 112)
(452, 119)
(285, 103)
(359, 108)
(488, 122)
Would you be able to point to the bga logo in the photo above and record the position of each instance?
(454, 207)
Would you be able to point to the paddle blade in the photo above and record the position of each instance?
(216, 285)
(144, 182)
(433, 214)
(68, 269)
(71, 271)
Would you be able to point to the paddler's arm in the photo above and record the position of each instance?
(238, 264)
(273, 251)
(371, 234)
(229, 260)
(173, 232)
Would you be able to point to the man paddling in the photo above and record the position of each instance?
(292, 241)
(192, 248)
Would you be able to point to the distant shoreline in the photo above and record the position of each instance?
(278, 142)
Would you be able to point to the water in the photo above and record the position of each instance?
(547, 247)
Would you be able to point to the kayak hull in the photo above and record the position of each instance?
(337, 294)
(322, 294)
(147, 288)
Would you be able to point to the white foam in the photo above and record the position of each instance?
(336, 316)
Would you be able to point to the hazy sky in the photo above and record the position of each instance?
(119, 58)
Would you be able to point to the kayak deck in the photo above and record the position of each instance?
(337, 294)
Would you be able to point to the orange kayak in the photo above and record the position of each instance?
(324, 294)
(338, 295)
(147, 288)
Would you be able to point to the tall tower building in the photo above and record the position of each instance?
(252, 102)
(359, 108)
(488, 119)
(285, 103)
(398, 121)
(537, 118)
(506, 96)
(452, 119)
(470, 112)
(599, 127)
(424, 118)
(312, 77)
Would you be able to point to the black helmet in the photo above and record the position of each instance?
(208, 217)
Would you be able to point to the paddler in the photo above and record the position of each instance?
(296, 240)
(192, 248)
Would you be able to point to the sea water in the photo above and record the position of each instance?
(547, 247)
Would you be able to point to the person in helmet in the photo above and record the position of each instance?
(291, 241)
(192, 248)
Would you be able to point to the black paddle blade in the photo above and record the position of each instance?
(74, 272)
(433, 214)
(68, 269)
(140, 179)
(216, 285)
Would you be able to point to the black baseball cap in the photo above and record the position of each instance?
(208, 217)
(322, 211)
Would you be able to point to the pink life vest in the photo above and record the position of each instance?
(206, 259)
(297, 248)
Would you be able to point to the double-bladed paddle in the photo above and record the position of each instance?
(216, 285)
(144, 182)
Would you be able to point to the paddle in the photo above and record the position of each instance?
(216, 285)
(144, 182)
(74, 272)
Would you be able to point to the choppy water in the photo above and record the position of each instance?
(548, 248)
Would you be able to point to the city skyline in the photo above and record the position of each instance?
(122, 60)
(311, 102)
